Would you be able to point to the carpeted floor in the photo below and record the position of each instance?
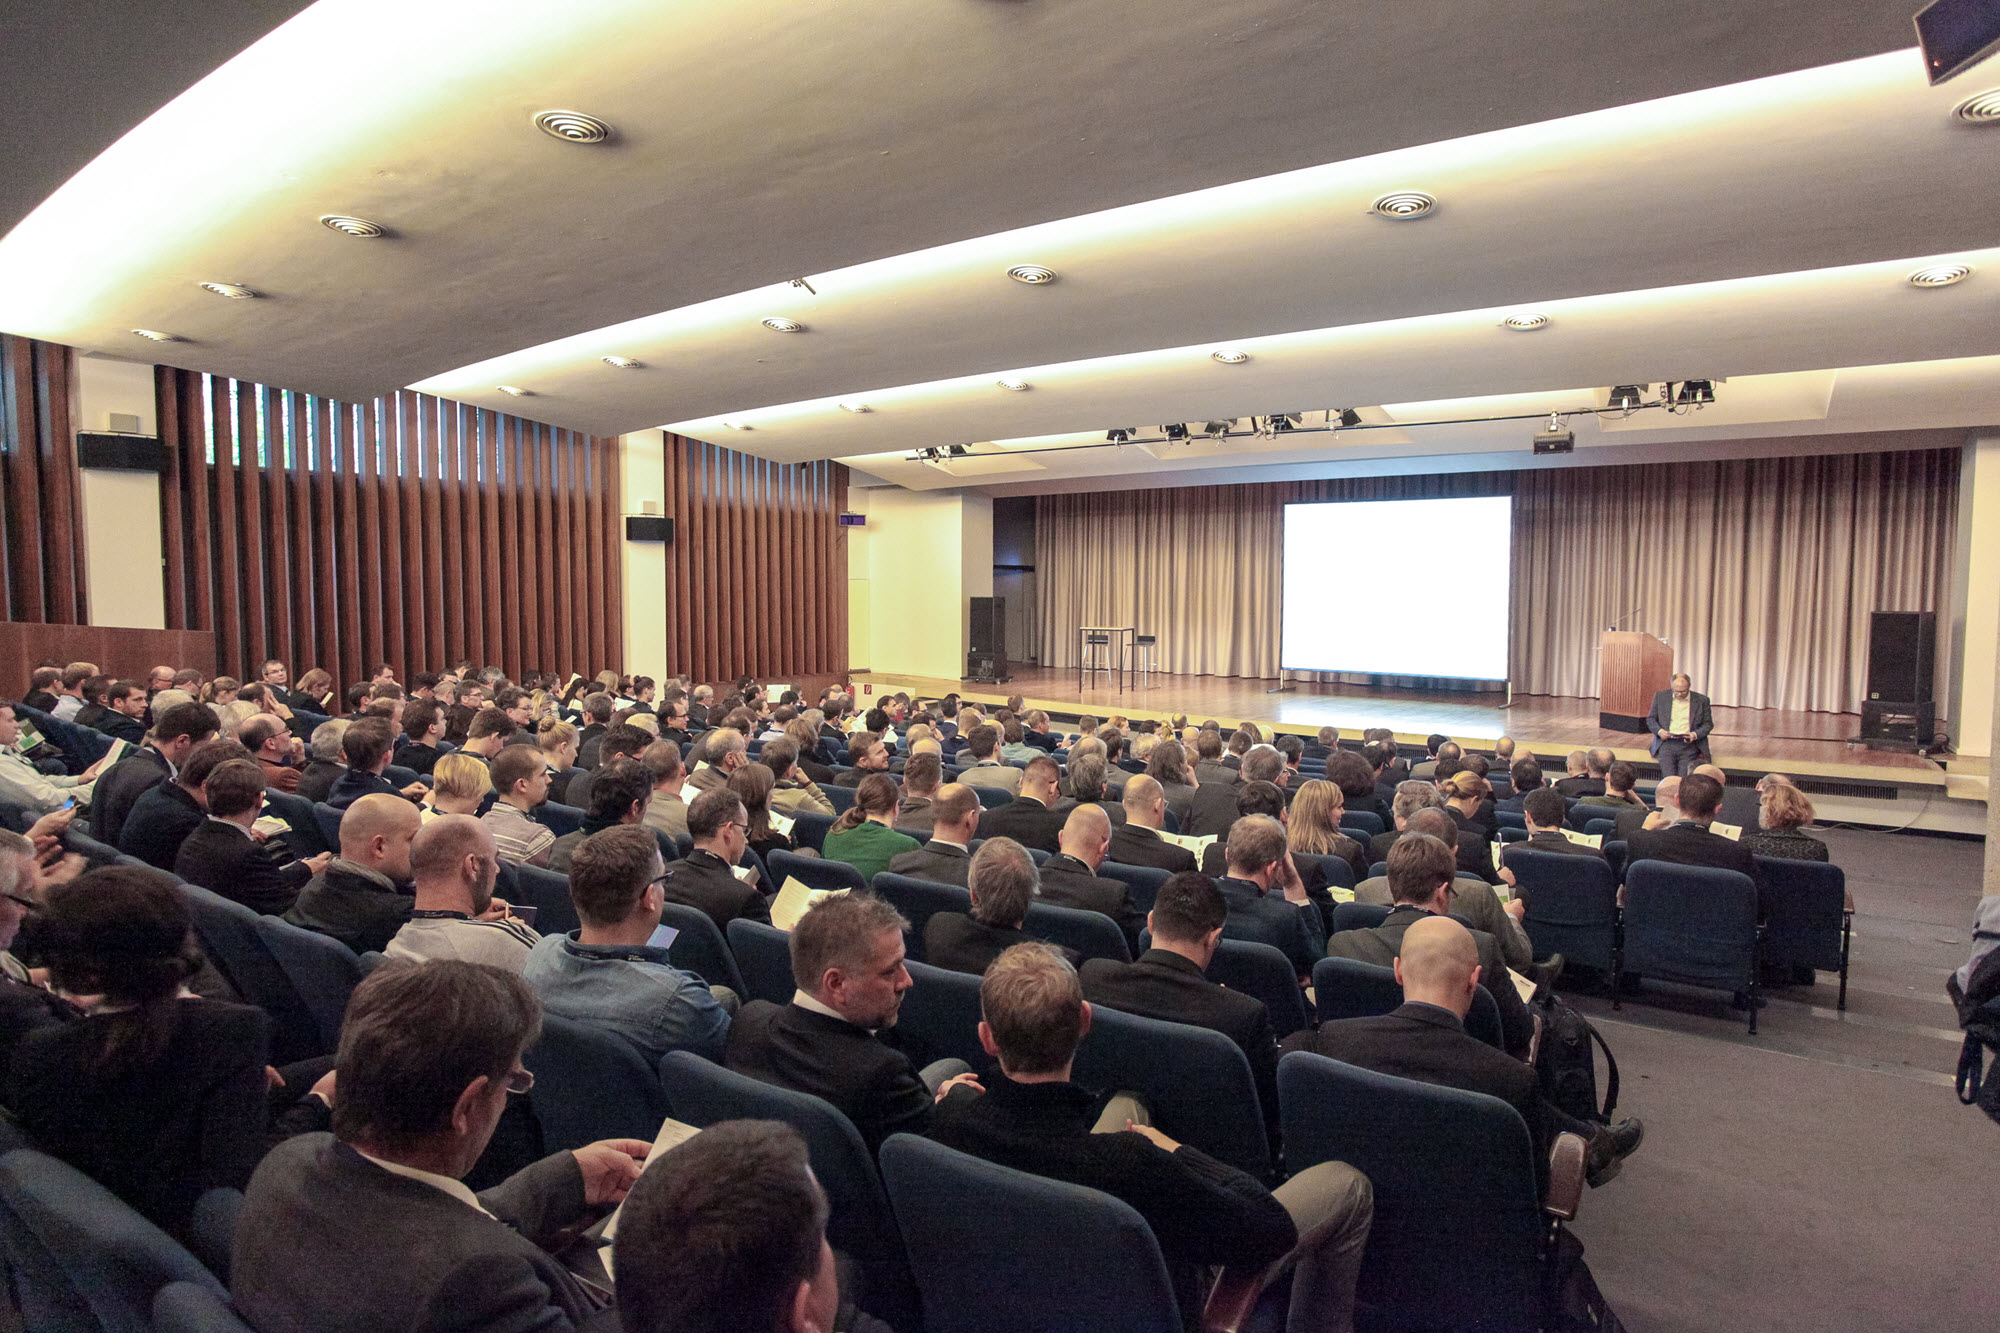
(1821, 1175)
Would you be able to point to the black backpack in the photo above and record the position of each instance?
(1567, 1067)
(1979, 1014)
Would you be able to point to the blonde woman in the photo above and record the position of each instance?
(459, 783)
(1783, 812)
(1313, 827)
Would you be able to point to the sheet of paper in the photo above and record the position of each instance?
(119, 748)
(672, 1134)
(1733, 832)
(794, 899)
(782, 824)
(1195, 845)
(744, 873)
(1585, 839)
(688, 793)
(1522, 986)
(1496, 854)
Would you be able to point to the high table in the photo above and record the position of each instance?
(1123, 647)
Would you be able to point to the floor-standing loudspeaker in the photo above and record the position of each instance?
(1902, 659)
(987, 660)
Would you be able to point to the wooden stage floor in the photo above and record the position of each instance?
(1744, 739)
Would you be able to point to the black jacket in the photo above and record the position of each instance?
(1382, 944)
(1298, 932)
(586, 744)
(223, 859)
(351, 908)
(703, 880)
(955, 941)
(161, 819)
(938, 862)
(1135, 845)
(1068, 882)
(352, 786)
(118, 789)
(871, 1082)
(1026, 821)
(316, 779)
(128, 729)
(1213, 809)
(1687, 843)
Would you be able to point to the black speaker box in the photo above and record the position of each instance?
(120, 453)
(1898, 726)
(987, 660)
(648, 528)
(1902, 656)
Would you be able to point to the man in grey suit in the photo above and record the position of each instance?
(1680, 721)
(371, 1226)
(946, 858)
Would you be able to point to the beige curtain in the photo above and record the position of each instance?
(1760, 572)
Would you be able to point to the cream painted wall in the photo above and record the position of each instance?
(860, 600)
(1976, 627)
(644, 564)
(926, 553)
(124, 579)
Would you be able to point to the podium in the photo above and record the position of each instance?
(1631, 667)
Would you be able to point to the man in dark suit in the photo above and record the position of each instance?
(125, 707)
(1587, 770)
(1687, 841)
(1425, 1039)
(866, 754)
(1665, 811)
(1420, 875)
(1680, 721)
(1214, 808)
(1544, 813)
(223, 856)
(1258, 863)
(324, 768)
(1070, 878)
(429, 1054)
(916, 809)
(1087, 783)
(597, 711)
(834, 1039)
(1137, 842)
(705, 878)
(1168, 982)
(368, 745)
(1469, 849)
(176, 733)
(166, 815)
(1030, 818)
(1209, 767)
(945, 859)
(1526, 776)
(1001, 885)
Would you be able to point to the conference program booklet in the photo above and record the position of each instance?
(1195, 845)
(794, 899)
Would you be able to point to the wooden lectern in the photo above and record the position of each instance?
(1631, 668)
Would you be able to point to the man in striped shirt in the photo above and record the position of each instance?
(455, 863)
(520, 783)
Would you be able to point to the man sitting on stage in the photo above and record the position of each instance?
(1680, 721)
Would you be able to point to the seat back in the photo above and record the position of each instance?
(112, 1260)
(1614, 856)
(591, 1084)
(322, 970)
(1572, 906)
(1263, 971)
(992, 796)
(228, 934)
(307, 839)
(1335, 870)
(547, 891)
(810, 829)
(1599, 826)
(1349, 988)
(1357, 916)
(763, 956)
(1103, 1273)
(1804, 907)
(814, 872)
(1143, 881)
(212, 1228)
(1367, 821)
(939, 1019)
(919, 900)
(1195, 1081)
(699, 948)
(329, 825)
(183, 1307)
(1091, 934)
(1511, 819)
(1457, 1236)
(1692, 924)
(558, 819)
(81, 746)
(839, 797)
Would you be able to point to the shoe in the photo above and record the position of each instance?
(1548, 970)
(1609, 1148)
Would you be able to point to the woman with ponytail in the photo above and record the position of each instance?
(862, 836)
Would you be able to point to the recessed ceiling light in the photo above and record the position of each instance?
(361, 228)
(1526, 321)
(513, 390)
(622, 362)
(1940, 275)
(738, 425)
(1017, 386)
(158, 337)
(856, 408)
(1404, 204)
(1980, 108)
(780, 324)
(1229, 356)
(234, 291)
(572, 126)
(1032, 274)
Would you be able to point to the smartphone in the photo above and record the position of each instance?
(522, 914)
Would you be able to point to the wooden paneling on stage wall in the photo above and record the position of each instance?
(757, 572)
(41, 529)
(409, 530)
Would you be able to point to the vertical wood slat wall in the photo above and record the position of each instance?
(41, 528)
(757, 572)
(410, 530)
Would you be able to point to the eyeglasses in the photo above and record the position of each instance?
(520, 1080)
(28, 903)
(743, 824)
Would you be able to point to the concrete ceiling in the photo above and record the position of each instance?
(1649, 174)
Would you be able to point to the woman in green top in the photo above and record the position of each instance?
(862, 836)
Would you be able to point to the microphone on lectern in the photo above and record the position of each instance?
(1621, 620)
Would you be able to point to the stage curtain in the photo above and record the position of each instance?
(1761, 572)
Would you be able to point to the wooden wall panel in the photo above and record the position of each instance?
(41, 548)
(125, 653)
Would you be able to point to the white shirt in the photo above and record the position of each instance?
(805, 1001)
(455, 1188)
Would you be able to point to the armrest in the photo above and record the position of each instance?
(1566, 1165)
(1234, 1297)
(1535, 1039)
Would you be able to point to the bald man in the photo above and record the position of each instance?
(1070, 878)
(1137, 842)
(1425, 1039)
(455, 863)
(362, 899)
(1741, 806)
(1666, 809)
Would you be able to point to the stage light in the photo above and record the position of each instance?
(1626, 397)
(1279, 423)
(1554, 439)
(1174, 432)
(1218, 428)
(1121, 434)
(958, 450)
(1694, 393)
(1349, 417)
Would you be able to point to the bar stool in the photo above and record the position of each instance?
(1144, 659)
(1096, 656)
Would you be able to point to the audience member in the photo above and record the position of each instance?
(916, 810)
(455, 865)
(1544, 812)
(1472, 899)
(865, 754)
(1687, 841)
(1258, 862)
(167, 812)
(1619, 780)
(1436, 747)
(1137, 841)
(325, 768)
(125, 706)
(753, 785)
(362, 897)
(1783, 813)
(706, 877)
(42, 684)
(597, 711)
(461, 784)
(225, 854)
(946, 858)
(520, 783)
(1030, 818)
(1210, 766)
(1665, 811)
(1583, 777)
(793, 792)
(986, 769)
(619, 793)
(367, 746)
(24, 885)
(725, 751)
(1070, 878)
(666, 812)
(862, 836)
(1001, 882)
(1313, 827)
(1213, 809)
(1355, 777)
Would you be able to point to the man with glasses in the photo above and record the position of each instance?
(456, 915)
(608, 973)
(706, 877)
(374, 1220)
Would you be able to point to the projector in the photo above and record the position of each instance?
(1554, 441)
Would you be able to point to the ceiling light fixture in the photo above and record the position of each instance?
(1695, 393)
(1218, 428)
(1278, 423)
(1014, 385)
(1980, 108)
(514, 391)
(1349, 417)
(622, 362)
(572, 126)
(1627, 397)
(1034, 275)
(1121, 434)
(738, 425)
(1526, 321)
(359, 228)
(156, 336)
(1176, 433)
(856, 408)
(234, 291)
(1940, 275)
(1229, 356)
(1404, 205)
(779, 324)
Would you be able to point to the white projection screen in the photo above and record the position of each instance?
(1349, 566)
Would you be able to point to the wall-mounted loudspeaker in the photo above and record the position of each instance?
(120, 453)
(1902, 656)
(648, 528)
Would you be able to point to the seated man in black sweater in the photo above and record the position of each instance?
(1002, 882)
(1203, 1212)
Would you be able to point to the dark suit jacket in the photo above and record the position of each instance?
(420, 759)
(1628, 821)
(701, 879)
(1701, 719)
(954, 940)
(1550, 842)
(316, 779)
(1575, 787)
(1374, 804)
(1026, 821)
(938, 862)
(115, 723)
(118, 789)
(1165, 985)
(1382, 944)
(328, 1240)
(1687, 843)
(223, 859)
(352, 786)
(161, 819)
(1297, 932)
(1217, 771)
(872, 1082)
(351, 908)
(586, 744)
(1068, 882)
(1135, 845)
(1213, 809)
(1472, 855)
